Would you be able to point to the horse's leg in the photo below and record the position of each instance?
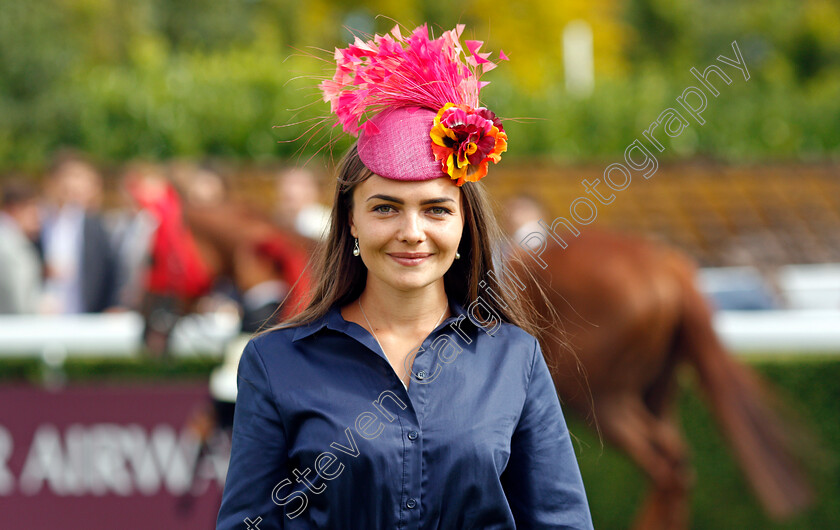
(656, 446)
(660, 401)
(668, 505)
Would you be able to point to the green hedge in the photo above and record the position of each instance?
(154, 78)
(721, 498)
(81, 370)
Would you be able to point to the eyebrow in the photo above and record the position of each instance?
(400, 201)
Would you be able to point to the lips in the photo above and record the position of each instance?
(409, 258)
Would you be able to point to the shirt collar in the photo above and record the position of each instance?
(334, 320)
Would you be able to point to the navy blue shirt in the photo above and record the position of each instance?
(326, 435)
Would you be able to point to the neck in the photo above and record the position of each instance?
(395, 311)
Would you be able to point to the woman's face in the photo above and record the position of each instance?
(408, 231)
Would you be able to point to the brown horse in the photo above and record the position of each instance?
(632, 313)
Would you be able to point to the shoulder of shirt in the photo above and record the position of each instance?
(512, 340)
(529, 342)
(516, 333)
(276, 352)
(270, 340)
(287, 338)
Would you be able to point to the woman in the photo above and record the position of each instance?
(411, 392)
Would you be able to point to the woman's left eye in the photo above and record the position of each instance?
(440, 210)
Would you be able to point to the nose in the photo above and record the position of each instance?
(411, 228)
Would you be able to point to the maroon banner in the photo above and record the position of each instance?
(106, 456)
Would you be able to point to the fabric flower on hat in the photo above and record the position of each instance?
(465, 140)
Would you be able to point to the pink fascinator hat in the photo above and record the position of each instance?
(413, 102)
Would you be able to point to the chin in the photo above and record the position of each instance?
(412, 281)
(411, 284)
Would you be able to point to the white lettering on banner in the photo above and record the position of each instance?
(134, 445)
(44, 462)
(109, 458)
(175, 460)
(108, 471)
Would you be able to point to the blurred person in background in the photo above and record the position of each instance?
(132, 229)
(205, 191)
(298, 205)
(521, 215)
(20, 265)
(77, 249)
(232, 238)
(172, 271)
(199, 184)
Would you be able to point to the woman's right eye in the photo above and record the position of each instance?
(377, 209)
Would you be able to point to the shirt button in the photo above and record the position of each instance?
(411, 503)
(421, 374)
(412, 435)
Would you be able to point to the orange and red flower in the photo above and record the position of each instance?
(465, 139)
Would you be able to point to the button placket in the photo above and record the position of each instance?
(413, 451)
(421, 370)
(418, 372)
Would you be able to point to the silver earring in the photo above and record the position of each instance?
(356, 248)
(457, 255)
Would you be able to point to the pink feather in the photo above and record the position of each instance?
(392, 71)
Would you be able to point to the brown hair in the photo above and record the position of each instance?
(66, 156)
(340, 277)
(16, 191)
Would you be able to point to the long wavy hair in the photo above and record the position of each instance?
(340, 277)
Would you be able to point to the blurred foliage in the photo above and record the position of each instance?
(88, 369)
(154, 78)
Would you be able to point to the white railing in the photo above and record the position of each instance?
(109, 334)
(788, 331)
(810, 324)
(118, 335)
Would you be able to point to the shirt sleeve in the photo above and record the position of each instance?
(542, 480)
(258, 452)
